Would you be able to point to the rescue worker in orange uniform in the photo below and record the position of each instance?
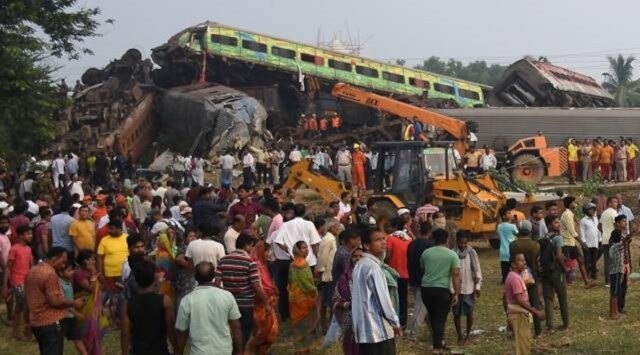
(304, 122)
(323, 124)
(313, 123)
(336, 122)
(358, 164)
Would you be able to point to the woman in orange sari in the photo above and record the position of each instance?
(264, 315)
(302, 301)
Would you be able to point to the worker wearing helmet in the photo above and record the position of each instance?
(358, 164)
(313, 123)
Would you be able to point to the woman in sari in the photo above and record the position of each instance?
(264, 315)
(92, 325)
(302, 301)
(165, 261)
(342, 305)
(392, 284)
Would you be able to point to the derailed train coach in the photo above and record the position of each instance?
(531, 83)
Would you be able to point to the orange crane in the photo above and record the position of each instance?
(532, 158)
(456, 128)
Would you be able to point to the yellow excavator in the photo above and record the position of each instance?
(407, 171)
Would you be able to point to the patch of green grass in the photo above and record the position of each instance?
(590, 330)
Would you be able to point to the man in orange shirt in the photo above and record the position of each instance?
(359, 161)
(101, 209)
(606, 159)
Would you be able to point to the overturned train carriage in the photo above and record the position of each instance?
(535, 83)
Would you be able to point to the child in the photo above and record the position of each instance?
(68, 324)
(471, 277)
(18, 264)
(617, 273)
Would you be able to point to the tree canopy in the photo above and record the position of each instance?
(478, 71)
(32, 33)
(619, 81)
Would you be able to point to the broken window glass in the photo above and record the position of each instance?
(254, 46)
(366, 71)
(419, 83)
(396, 78)
(446, 89)
(283, 52)
(340, 65)
(310, 58)
(469, 94)
(226, 40)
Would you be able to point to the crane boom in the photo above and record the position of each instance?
(455, 127)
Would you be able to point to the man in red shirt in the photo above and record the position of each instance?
(245, 207)
(19, 263)
(397, 244)
(46, 302)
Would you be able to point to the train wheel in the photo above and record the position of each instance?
(528, 168)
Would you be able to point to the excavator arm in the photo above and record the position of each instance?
(456, 128)
(329, 188)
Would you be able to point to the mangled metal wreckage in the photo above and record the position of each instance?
(213, 117)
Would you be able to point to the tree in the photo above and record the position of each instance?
(31, 33)
(478, 71)
(619, 80)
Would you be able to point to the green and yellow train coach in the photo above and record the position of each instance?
(224, 41)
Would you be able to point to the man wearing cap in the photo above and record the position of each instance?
(343, 161)
(591, 237)
(101, 209)
(531, 251)
(359, 160)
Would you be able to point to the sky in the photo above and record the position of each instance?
(577, 34)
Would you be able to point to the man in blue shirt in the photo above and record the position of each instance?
(507, 233)
(59, 226)
(375, 322)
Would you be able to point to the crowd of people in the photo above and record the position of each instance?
(540, 257)
(614, 161)
(178, 262)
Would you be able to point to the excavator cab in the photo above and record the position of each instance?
(405, 174)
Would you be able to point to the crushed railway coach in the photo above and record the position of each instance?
(531, 83)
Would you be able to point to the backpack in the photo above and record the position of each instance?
(547, 255)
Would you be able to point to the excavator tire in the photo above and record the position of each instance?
(528, 168)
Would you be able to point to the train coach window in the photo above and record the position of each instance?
(396, 78)
(419, 83)
(469, 94)
(310, 58)
(367, 71)
(444, 89)
(254, 46)
(340, 65)
(283, 52)
(226, 40)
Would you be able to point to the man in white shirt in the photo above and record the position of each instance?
(295, 155)
(57, 168)
(608, 224)
(226, 166)
(233, 232)
(277, 157)
(343, 161)
(299, 229)
(248, 168)
(326, 254)
(488, 161)
(205, 248)
(591, 237)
